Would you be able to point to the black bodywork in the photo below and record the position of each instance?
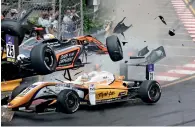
(23, 68)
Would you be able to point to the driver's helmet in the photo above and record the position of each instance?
(84, 77)
(48, 36)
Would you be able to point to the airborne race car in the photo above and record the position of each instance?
(48, 55)
(96, 87)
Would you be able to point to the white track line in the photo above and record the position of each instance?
(188, 25)
(186, 14)
(190, 65)
(191, 32)
(177, 3)
(165, 78)
(193, 36)
(183, 12)
(188, 72)
(181, 7)
(188, 22)
(184, 17)
(190, 29)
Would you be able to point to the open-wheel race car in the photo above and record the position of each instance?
(94, 88)
(88, 89)
(23, 58)
(40, 57)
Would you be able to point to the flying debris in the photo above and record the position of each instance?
(144, 51)
(126, 61)
(124, 43)
(172, 32)
(121, 28)
(162, 19)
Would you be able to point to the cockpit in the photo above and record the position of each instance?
(102, 77)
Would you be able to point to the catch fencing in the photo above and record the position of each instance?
(66, 15)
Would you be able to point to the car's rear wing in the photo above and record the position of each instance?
(155, 56)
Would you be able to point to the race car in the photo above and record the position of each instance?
(94, 88)
(41, 57)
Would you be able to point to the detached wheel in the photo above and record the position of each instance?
(68, 101)
(150, 91)
(114, 48)
(43, 59)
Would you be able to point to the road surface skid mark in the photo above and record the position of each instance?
(185, 16)
(176, 73)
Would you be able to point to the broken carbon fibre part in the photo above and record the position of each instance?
(162, 19)
(121, 28)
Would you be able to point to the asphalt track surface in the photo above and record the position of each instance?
(146, 31)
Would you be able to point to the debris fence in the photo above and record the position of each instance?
(65, 15)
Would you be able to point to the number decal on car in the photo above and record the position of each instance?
(151, 71)
(10, 48)
(10, 51)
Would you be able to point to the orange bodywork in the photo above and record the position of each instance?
(94, 40)
(20, 100)
(115, 87)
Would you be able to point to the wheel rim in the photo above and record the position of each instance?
(154, 92)
(72, 101)
(48, 60)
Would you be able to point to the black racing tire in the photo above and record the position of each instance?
(13, 28)
(17, 91)
(63, 101)
(43, 59)
(114, 48)
(146, 89)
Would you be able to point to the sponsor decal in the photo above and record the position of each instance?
(108, 100)
(66, 59)
(122, 93)
(53, 44)
(105, 94)
(83, 103)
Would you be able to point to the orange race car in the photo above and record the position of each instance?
(96, 87)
